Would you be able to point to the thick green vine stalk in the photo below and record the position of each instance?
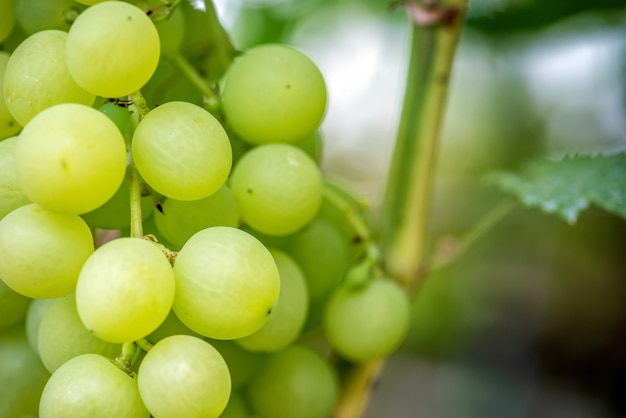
(435, 32)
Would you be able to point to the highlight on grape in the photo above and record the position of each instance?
(169, 245)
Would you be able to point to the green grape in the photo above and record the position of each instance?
(227, 283)
(170, 326)
(70, 158)
(115, 213)
(90, 385)
(237, 407)
(36, 15)
(273, 93)
(125, 290)
(295, 382)
(42, 252)
(184, 376)
(22, 376)
(62, 336)
(312, 144)
(180, 219)
(182, 151)
(37, 77)
(320, 252)
(8, 125)
(112, 49)
(287, 319)
(11, 195)
(34, 315)
(13, 306)
(7, 19)
(367, 322)
(241, 363)
(278, 188)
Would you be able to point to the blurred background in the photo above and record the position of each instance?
(531, 322)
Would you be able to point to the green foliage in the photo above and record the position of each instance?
(567, 187)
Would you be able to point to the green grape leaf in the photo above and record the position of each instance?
(565, 188)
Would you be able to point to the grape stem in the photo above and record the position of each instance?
(435, 31)
(210, 98)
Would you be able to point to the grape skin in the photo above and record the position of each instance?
(227, 283)
(91, 386)
(184, 376)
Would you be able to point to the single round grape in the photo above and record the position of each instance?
(180, 219)
(34, 15)
(184, 376)
(182, 151)
(7, 19)
(70, 158)
(90, 385)
(294, 382)
(62, 336)
(121, 116)
(8, 125)
(13, 306)
(115, 213)
(112, 49)
(278, 188)
(273, 93)
(42, 252)
(37, 77)
(227, 283)
(22, 376)
(321, 254)
(34, 315)
(125, 290)
(287, 319)
(367, 322)
(11, 194)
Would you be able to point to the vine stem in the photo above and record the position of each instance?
(136, 218)
(435, 31)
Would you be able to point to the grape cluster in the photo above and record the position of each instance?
(172, 254)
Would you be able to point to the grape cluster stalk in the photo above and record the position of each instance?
(169, 245)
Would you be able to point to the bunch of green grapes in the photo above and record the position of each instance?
(169, 245)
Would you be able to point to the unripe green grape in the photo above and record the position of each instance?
(8, 125)
(319, 251)
(62, 336)
(7, 19)
(35, 16)
(13, 306)
(115, 213)
(184, 376)
(37, 77)
(42, 252)
(180, 219)
(278, 188)
(294, 382)
(121, 116)
(367, 322)
(91, 386)
(22, 376)
(125, 290)
(182, 151)
(34, 315)
(11, 194)
(287, 319)
(112, 49)
(273, 93)
(227, 283)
